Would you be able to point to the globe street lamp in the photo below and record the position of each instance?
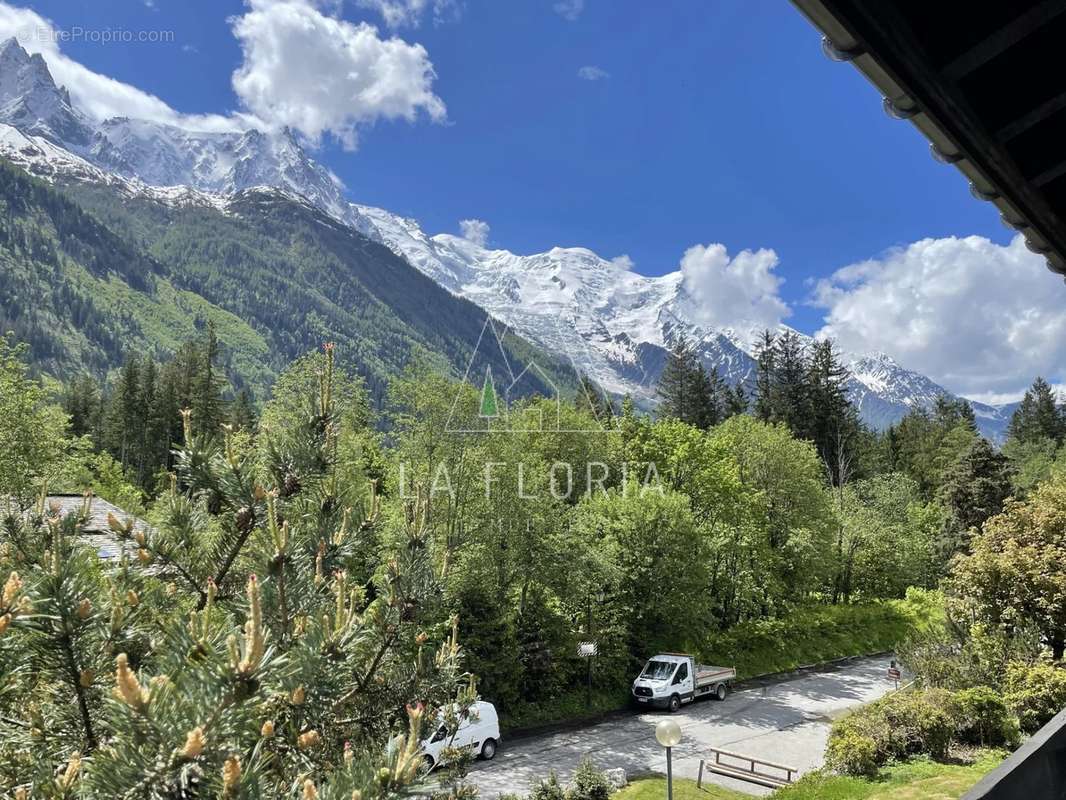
(668, 734)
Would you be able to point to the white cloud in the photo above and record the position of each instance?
(977, 317)
(302, 68)
(740, 292)
(593, 73)
(319, 74)
(569, 9)
(97, 95)
(475, 231)
(398, 13)
(624, 263)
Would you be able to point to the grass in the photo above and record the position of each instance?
(918, 779)
(684, 789)
(819, 633)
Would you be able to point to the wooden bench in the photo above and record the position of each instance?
(747, 771)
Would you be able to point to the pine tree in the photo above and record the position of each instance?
(232, 655)
(126, 414)
(147, 451)
(766, 368)
(736, 401)
(791, 398)
(973, 489)
(164, 423)
(207, 384)
(592, 399)
(1038, 416)
(950, 411)
(703, 411)
(833, 424)
(83, 405)
(676, 383)
(243, 414)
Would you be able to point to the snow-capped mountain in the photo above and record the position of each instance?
(615, 325)
(618, 326)
(153, 153)
(31, 102)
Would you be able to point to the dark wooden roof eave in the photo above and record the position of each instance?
(879, 39)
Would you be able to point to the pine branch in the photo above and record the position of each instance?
(74, 676)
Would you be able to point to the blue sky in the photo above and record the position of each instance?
(708, 121)
(716, 121)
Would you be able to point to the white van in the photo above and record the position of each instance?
(478, 732)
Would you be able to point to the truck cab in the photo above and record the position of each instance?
(670, 679)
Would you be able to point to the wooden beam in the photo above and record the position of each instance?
(1034, 117)
(1003, 39)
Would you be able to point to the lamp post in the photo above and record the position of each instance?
(668, 734)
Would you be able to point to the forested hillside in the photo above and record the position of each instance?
(90, 276)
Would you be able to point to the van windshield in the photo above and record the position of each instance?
(658, 670)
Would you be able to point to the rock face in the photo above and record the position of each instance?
(611, 324)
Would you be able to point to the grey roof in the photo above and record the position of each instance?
(95, 530)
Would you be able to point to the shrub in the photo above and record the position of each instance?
(548, 789)
(982, 718)
(589, 783)
(851, 753)
(1035, 693)
(897, 726)
(918, 722)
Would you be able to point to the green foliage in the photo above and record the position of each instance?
(787, 520)
(243, 652)
(1032, 462)
(893, 728)
(972, 490)
(886, 537)
(1038, 417)
(1035, 693)
(692, 394)
(658, 564)
(32, 431)
(804, 387)
(918, 722)
(589, 783)
(1015, 574)
(926, 442)
(813, 633)
(952, 654)
(548, 789)
(851, 751)
(918, 778)
(983, 718)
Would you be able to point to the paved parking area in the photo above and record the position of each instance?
(786, 722)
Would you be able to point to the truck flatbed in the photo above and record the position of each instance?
(710, 674)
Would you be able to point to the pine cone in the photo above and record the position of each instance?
(245, 519)
(291, 485)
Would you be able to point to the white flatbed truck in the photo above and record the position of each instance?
(670, 679)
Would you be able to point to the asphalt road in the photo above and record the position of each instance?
(786, 722)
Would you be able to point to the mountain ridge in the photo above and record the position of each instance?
(615, 325)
